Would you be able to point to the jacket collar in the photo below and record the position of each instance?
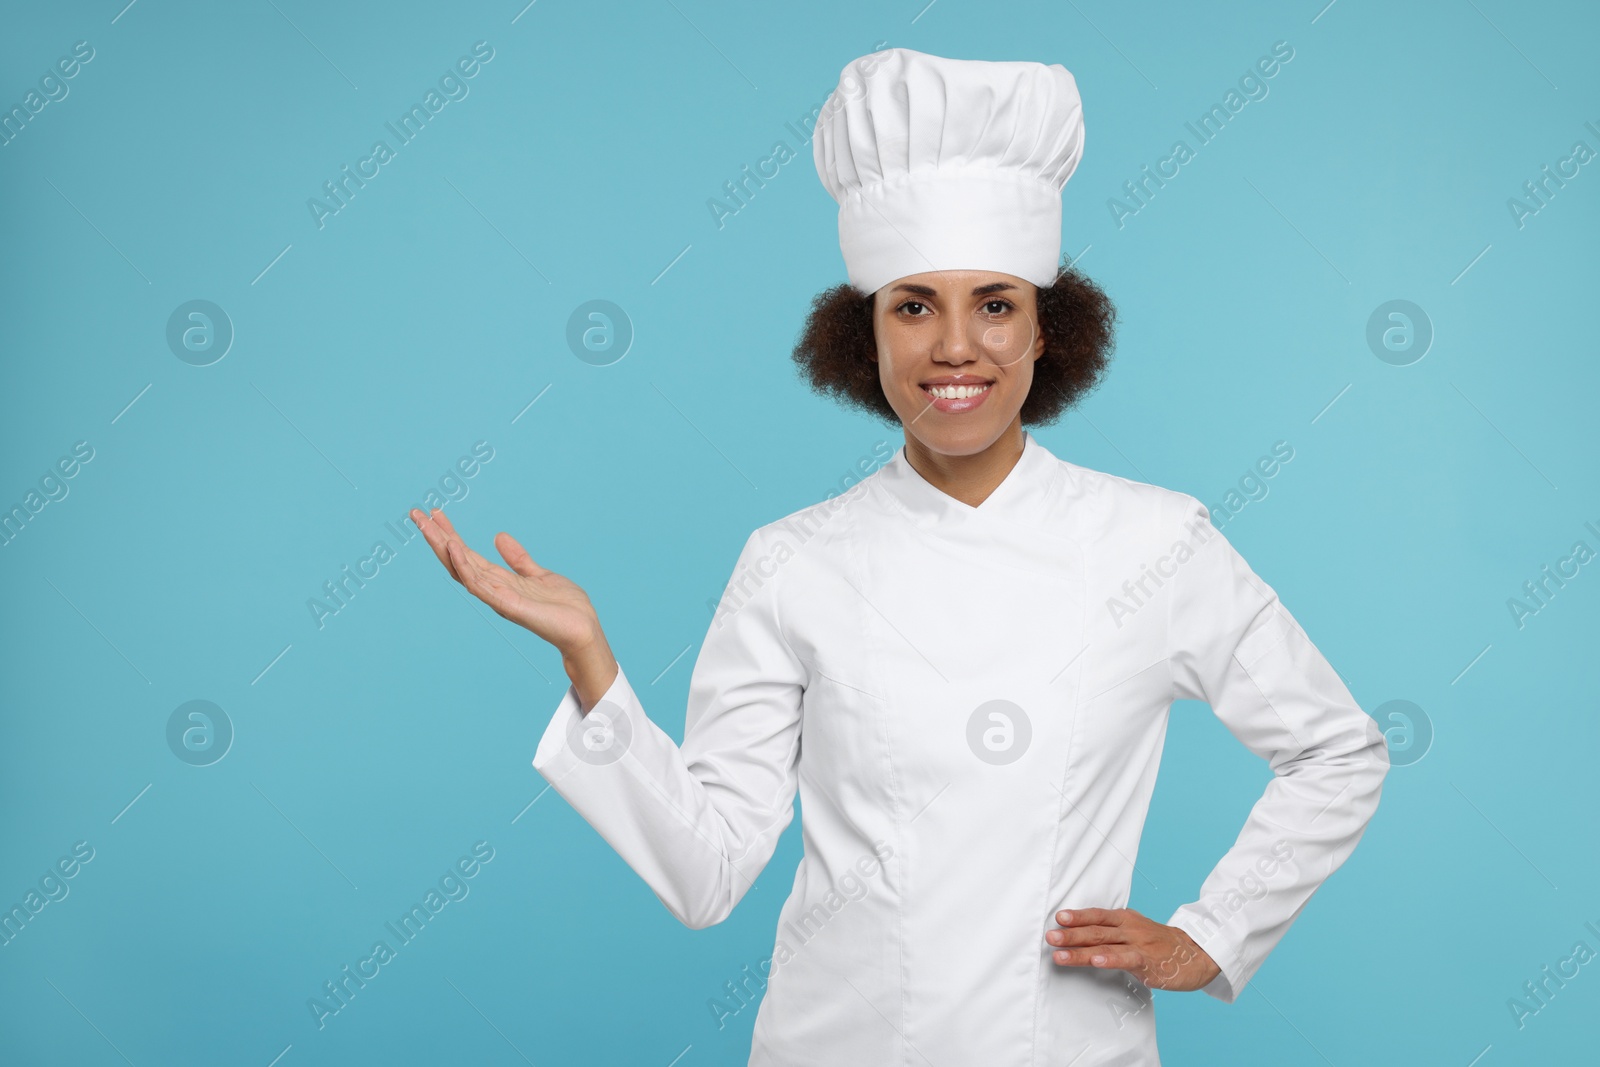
(1020, 498)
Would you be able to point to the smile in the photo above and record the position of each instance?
(955, 398)
(954, 392)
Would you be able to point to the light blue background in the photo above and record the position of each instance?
(427, 314)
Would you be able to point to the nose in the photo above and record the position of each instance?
(953, 345)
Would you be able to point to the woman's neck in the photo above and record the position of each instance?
(968, 478)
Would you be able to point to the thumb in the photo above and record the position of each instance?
(516, 556)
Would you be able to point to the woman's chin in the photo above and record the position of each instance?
(956, 435)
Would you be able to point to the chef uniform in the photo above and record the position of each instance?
(971, 701)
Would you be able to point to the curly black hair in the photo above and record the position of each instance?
(836, 347)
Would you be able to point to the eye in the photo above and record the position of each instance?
(912, 303)
(1003, 306)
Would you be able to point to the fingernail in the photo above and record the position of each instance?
(1099, 960)
(1064, 916)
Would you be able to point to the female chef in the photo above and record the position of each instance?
(964, 664)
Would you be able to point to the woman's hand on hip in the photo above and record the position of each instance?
(1160, 956)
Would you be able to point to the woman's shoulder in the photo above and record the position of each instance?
(814, 525)
(1099, 503)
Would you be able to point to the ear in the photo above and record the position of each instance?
(1039, 339)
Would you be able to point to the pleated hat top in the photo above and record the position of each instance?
(948, 164)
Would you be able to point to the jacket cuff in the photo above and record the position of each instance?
(1230, 979)
(558, 750)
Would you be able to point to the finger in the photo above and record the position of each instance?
(428, 529)
(474, 557)
(1091, 917)
(443, 527)
(472, 567)
(1086, 935)
(478, 583)
(490, 582)
(1124, 957)
(517, 556)
(444, 522)
(1099, 956)
(436, 538)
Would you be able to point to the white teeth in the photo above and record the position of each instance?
(955, 392)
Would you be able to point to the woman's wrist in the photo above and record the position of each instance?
(592, 668)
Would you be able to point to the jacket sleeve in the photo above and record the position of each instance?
(698, 821)
(1233, 645)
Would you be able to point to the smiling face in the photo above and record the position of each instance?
(955, 354)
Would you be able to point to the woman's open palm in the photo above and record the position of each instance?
(552, 606)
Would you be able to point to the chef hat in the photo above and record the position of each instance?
(948, 164)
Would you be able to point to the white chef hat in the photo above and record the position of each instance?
(948, 164)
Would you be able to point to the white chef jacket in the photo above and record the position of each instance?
(858, 654)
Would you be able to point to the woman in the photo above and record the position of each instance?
(965, 663)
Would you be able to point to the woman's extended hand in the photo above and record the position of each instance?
(541, 600)
(1160, 956)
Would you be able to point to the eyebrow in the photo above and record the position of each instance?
(925, 290)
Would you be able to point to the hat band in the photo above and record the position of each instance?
(947, 220)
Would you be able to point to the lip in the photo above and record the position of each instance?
(958, 405)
